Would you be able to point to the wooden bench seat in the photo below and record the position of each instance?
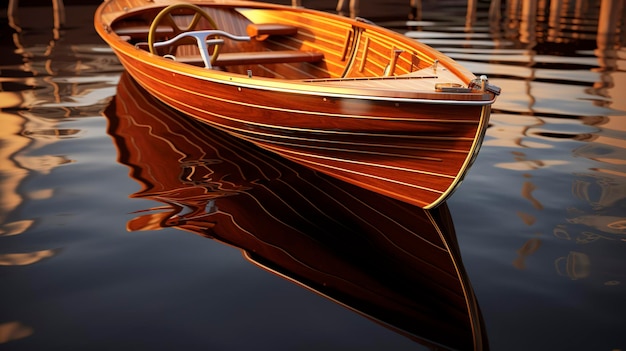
(261, 31)
(258, 57)
(263, 57)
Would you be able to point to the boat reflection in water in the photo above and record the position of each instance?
(389, 261)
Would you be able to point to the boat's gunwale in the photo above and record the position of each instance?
(324, 91)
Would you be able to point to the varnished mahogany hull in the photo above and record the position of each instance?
(412, 147)
(390, 261)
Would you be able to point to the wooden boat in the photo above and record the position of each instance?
(383, 258)
(342, 96)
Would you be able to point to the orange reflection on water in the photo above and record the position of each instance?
(16, 227)
(13, 331)
(19, 140)
(12, 173)
(509, 130)
(529, 248)
(576, 265)
(26, 258)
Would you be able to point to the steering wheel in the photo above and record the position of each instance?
(167, 17)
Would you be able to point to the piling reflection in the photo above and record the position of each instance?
(559, 21)
(562, 65)
(45, 81)
(391, 262)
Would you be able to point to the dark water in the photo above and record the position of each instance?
(540, 219)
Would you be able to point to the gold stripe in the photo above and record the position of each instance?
(323, 165)
(251, 137)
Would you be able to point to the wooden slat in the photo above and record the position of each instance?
(263, 57)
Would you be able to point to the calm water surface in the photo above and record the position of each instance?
(540, 220)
